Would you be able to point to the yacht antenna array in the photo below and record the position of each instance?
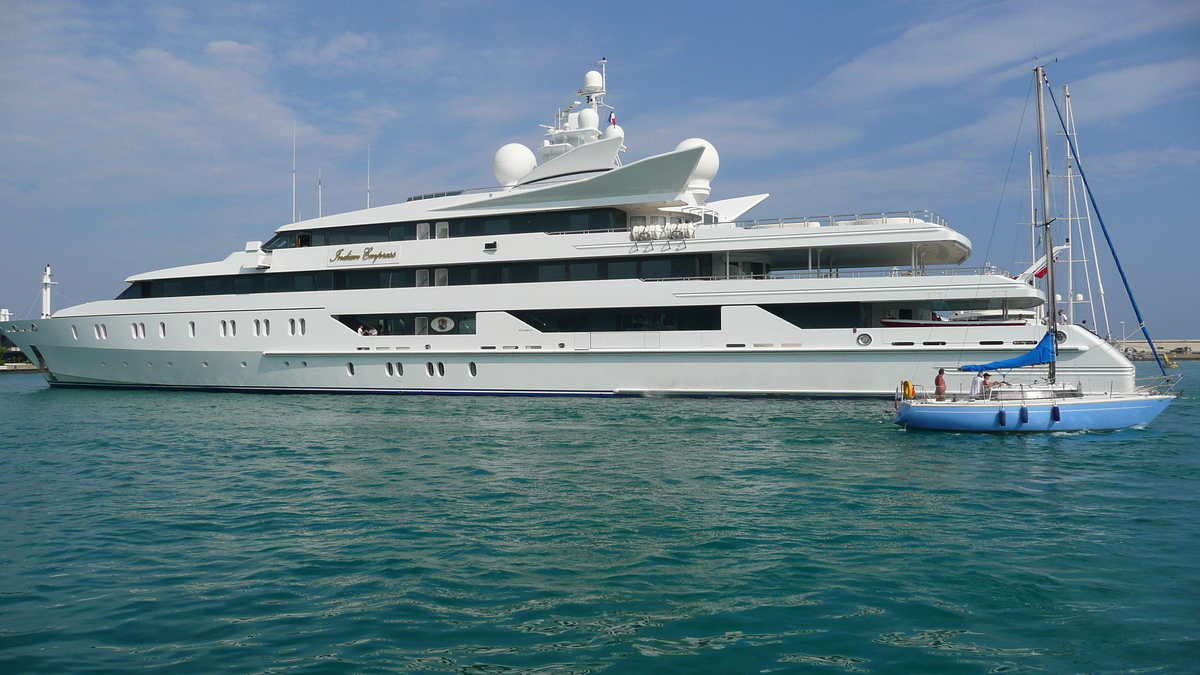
(46, 284)
(293, 169)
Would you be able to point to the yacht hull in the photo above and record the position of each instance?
(746, 359)
(1090, 413)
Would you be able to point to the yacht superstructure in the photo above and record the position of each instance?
(577, 275)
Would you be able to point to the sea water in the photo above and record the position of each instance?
(185, 532)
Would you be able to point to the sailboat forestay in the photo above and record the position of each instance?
(1037, 407)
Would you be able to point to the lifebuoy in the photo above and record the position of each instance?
(907, 388)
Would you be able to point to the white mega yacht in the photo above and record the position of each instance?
(577, 275)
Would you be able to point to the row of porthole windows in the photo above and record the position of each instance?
(262, 327)
(138, 330)
(432, 369)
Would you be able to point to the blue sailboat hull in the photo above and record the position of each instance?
(1099, 413)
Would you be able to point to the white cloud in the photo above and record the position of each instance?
(1118, 93)
(995, 40)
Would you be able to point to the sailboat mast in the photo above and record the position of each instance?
(1048, 242)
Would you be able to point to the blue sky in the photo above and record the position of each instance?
(136, 136)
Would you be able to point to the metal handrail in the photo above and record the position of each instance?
(924, 216)
(869, 273)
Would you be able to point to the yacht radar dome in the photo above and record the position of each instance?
(589, 119)
(614, 131)
(512, 162)
(593, 82)
(699, 185)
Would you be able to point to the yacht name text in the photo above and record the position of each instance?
(368, 255)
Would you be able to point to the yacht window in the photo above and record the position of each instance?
(303, 326)
(266, 326)
(658, 221)
(679, 265)
(676, 220)
(552, 272)
(629, 319)
(402, 232)
(162, 329)
(442, 230)
(191, 329)
(499, 226)
(279, 241)
(291, 326)
(584, 271)
(422, 230)
(625, 269)
(421, 324)
(637, 221)
(579, 221)
(656, 269)
(257, 327)
(232, 328)
(74, 333)
(304, 239)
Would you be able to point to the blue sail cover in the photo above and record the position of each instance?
(1042, 353)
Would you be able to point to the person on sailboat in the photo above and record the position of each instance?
(980, 385)
(939, 384)
(1062, 318)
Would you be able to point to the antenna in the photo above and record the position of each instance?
(46, 284)
(319, 209)
(368, 175)
(293, 169)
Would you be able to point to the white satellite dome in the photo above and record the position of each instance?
(706, 170)
(614, 131)
(589, 119)
(593, 82)
(512, 162)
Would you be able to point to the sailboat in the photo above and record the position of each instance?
(1048, 405)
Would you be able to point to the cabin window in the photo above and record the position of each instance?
(552, 272)
(637, 221)
(162, 329)
(191, 329)
(422, 230)
(442, 230)
(422, 277)
(441, 277)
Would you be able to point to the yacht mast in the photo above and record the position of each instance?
(1048, 242)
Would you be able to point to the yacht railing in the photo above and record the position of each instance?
(888, 218)
(990, 270)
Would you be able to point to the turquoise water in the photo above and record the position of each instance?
(197, 533)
